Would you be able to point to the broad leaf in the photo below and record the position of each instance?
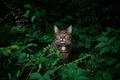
(27, 14)
(104, 49)
(33, 18)
(117, 66)
(35, 76)
(102, 38)
(110, 61)
(101, 44)
(107, 76)
(28, 6)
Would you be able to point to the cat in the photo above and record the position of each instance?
(62, 42)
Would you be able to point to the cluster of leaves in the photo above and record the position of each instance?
(91, 57)
(26, 54)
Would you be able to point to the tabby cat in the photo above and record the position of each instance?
(62, 42)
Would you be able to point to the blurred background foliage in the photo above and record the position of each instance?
(26, 32)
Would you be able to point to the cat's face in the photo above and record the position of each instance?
(63, 38)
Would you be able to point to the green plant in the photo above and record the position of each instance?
(109, 41)
(25, 51)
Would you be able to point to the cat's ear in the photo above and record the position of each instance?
(69, 29)
(56, 29)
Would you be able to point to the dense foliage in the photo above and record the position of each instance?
(26, 32)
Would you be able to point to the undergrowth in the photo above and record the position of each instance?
(93, 57)
(26, 33)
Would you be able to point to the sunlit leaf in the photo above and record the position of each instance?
(5, 51)
(27, 14)
(33, 18)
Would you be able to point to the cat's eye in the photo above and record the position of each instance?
(67, 37)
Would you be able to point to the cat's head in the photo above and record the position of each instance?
(63, 34)
(63, 38)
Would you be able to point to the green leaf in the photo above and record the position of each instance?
(39, 68)
(68, 17)
(48, 73)
(18, 74)
(27, 6)
(102, 38)
(87, 43)
(101, 44)
(35, 76)
(5, 51)
(104, 49)
(30, 44)
(72, 72)
(14, 47)
(10, 76)
(112, 39)
(110, 61)
(107, 76)
(115, 49)
(57, 53)
(22, 56)
(33, 18)
(29, 64)
(43, 59)
(46, 38)
(118, 65)
(108, 29)
(27, 14)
